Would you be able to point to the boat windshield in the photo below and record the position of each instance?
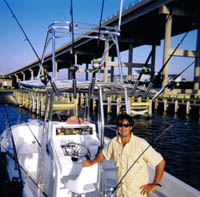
(61, 116)
(73, 131)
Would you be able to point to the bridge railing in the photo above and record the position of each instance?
(125, 7)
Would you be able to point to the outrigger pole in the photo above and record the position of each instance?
(73, 67)
(156, 78)
(171, 82)
(120, 15)
(45, 71)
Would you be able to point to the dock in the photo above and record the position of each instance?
(179, 103)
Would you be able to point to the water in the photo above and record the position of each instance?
(180, 146)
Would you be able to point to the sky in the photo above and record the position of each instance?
(36, 15)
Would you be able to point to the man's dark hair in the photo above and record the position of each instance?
(124, 116)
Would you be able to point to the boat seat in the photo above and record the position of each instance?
(85, 182)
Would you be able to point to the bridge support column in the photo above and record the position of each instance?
(17, 78)
(69, 74)
(168, 28)
(112, 69)
(23, 76)
(86, 73)
(130, 60)
(32, 73)
(197, 65)
(153, 59)
(42, 71)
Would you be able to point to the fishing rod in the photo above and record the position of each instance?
(140, 75)
(21, 29)
(25, 172)
(15, 158)
(73, 67)
(32, 132)
(162, 133)
(96, 63)
(12, 139)
(20, 117)
(47, 77)
(171, 82)
(157, 77)
(181, 41)
(100, 21)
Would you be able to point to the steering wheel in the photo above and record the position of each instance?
(76, 150)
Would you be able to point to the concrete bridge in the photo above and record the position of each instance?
(146, 22)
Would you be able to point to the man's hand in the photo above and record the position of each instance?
(86, 163)
(97, 159)
(147, 189)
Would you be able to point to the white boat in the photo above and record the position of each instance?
(50, 154)
(54, 161)
(46, 156)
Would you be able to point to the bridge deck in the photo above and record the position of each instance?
(142, 24)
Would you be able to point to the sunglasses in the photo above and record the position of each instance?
(125, 125)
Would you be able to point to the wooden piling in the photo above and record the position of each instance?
(35, 102)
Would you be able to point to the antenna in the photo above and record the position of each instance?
(120, 15)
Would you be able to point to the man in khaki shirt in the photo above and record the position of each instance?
(124, 150)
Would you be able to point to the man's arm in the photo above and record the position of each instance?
(97, 159)
(158, 176)
(159, 171)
